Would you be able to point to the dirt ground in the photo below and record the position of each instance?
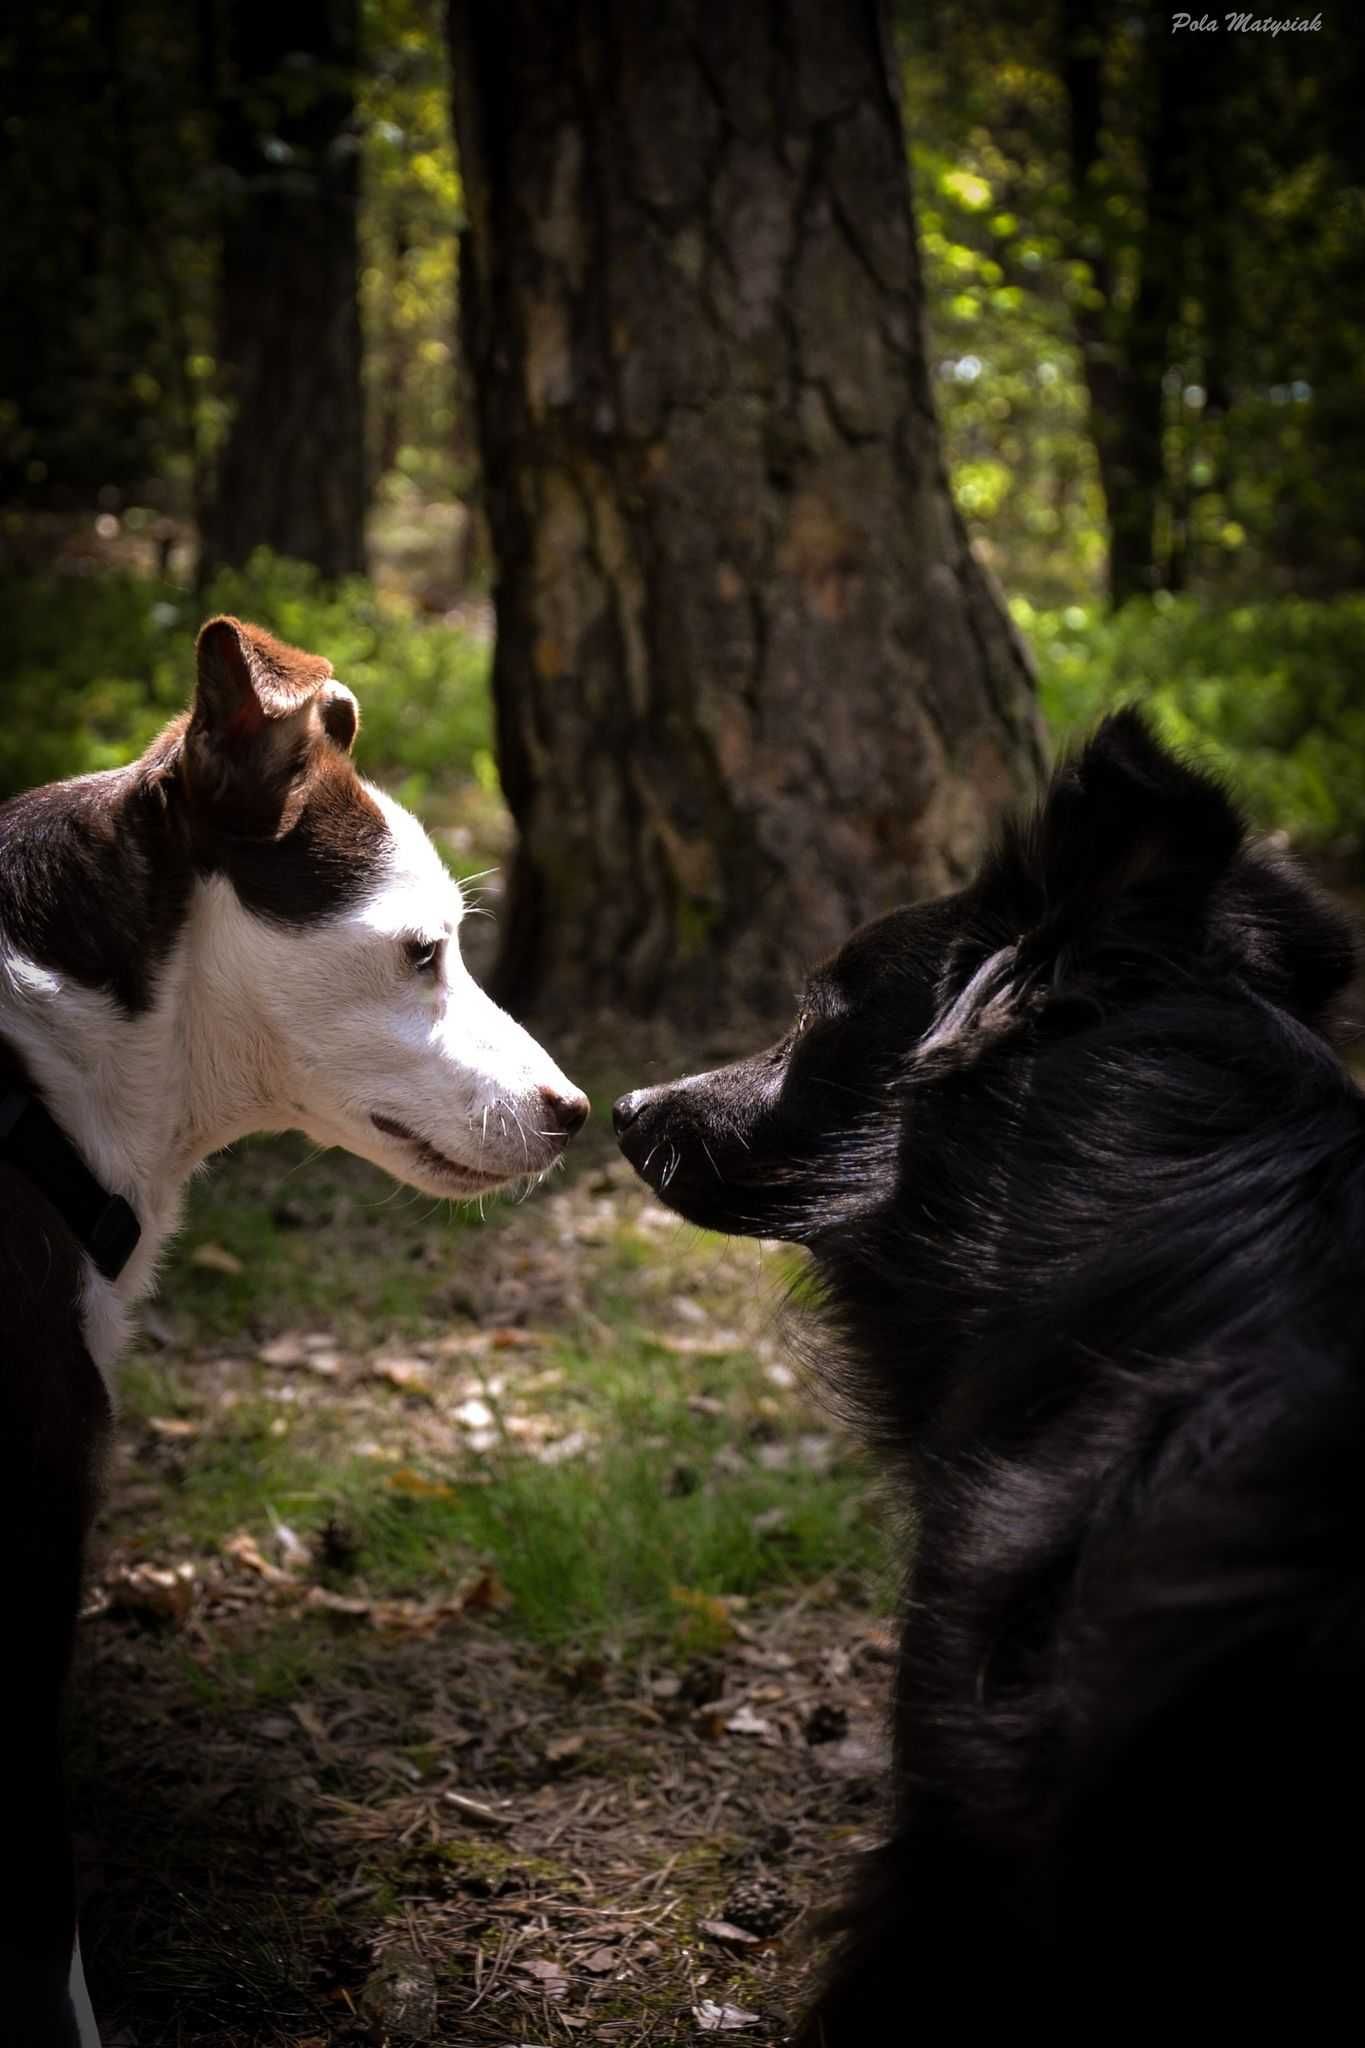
(461, 1839)
(391, 1722)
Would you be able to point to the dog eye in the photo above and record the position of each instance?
(423, 955)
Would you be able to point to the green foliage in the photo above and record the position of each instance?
(97, 665)
(1270, 694)
(1238, 296)
(1000, 300)
(411, 215)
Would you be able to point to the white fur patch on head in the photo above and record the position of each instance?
(409, 1064)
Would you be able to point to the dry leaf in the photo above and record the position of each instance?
(479, 1815)
(173, 1427)
(283, 1351)
(601, 1962)
(462, 1346)
(551, 1976)
(716, 1344)
(722, 2019)
(157, 1592)
(563, 1747)
(727, 1934)
(484, 1594)
(215, 1259)
(474, 1414)
(405, 1480)
(243, 1547)
(564, 1447)
(409, 1375)
(350, 1604)
(326, 1364)
(712, 1609)
(747, 1722)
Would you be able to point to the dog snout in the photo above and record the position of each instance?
(564, 1114)
(627, 1108)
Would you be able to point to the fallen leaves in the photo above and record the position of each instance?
(563, 1835)
(161, 1593)
(215, 1258)
(726, 1935)
(482, 1592)
(305, 1351)
(477, 1813)
(409, 1375)
(551, 1977)
(418, 1486)
(705, 1617)
(746, 1722)
(722, 2019)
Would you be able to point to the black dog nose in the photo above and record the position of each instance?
(567, 1113)
(625, 1111)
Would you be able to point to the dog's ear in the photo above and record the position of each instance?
(1127, 823)
(260, 708)
(1133, 841)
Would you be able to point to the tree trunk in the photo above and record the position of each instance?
(751, 685)
(1130, 510)
(1125, 354)
(290, 474)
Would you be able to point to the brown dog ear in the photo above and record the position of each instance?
(247, 679)
(260, 707)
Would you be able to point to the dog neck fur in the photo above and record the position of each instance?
(146, 1098)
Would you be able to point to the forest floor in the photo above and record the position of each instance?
(483, 1640)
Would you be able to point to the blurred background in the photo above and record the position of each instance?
(232, 371)
(727, 450)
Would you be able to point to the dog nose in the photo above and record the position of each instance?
(567, 1113)
(625, 1111)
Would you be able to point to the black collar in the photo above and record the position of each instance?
(32, 1140)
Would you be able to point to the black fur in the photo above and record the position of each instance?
(1084, 1187)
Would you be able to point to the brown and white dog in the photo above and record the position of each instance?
(233, 934)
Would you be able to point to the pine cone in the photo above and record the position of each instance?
(760, 1905)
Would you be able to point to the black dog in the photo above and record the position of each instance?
(1084, 1185)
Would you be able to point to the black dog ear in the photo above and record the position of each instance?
(1291, 942)
(1133, 840)
(1126, 822)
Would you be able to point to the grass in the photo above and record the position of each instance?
(353, 1412)
(627, 1454)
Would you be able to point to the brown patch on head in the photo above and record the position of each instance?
(263, 711)
(275, 802)
(247, 676)
(254, 782)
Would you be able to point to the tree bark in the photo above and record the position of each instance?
(751, 684)
(290, 474)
